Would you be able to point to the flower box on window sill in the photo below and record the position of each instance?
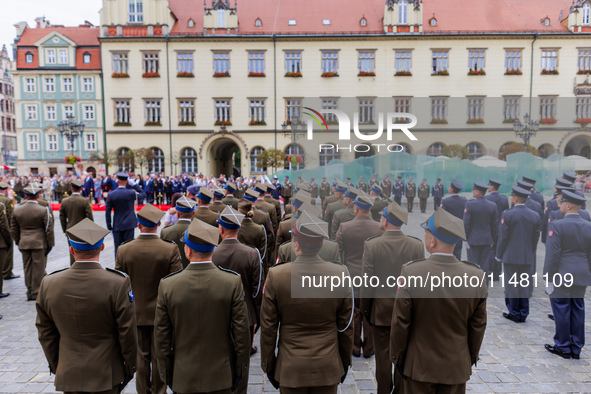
(549, 72)
(185, 75)
(187, 123)
(583, 121)
(438, 121)
(548, 121)
(259, 75)
(584, 72)
(402, 120)
(120, 75)
(513, 72)
(72, 159)
(441, 72)
(329, 75)
(403, 74)
(223, 123)
(221, 75)
(295, 159)
(475, 121)
(153, 123)
(476, 72)
(257, 123)
(151, 75)
(510, 120)
(366, 74)
(296, 74)
(122, 124)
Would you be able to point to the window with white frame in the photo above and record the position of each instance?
(136, 11)
(256, 62)
(221, 62)
(150, 61)
(402, 104)
(29, 58)
(185, 62)
(63, 56)
(69, 144)
(328, 153)
(86, 58)
(439, 108)
(189, 160)
(30, 85)
(254, 160)
(152, 111)
(120, 63)
(89, 112)
(511, 108)
(476, 109)
(67, 85)
(90, 139)
(221, 18)
(549, 60)
(156, 164)
(476, 60)
(33, 142)
(293, 62)
(475, 150)
(31, 112)
(435, 149)
(330, 62)
(87, 84)
(52, 142)
(512, 60)
(187, 111)
(440, 58)
(586, 14)
(68, 111)
(122, 114)
(583, 107)
(330, 103)
(366, 109)
(367, 61)
(50, 112)
(584, 59)
(293, 109)
(257, 111)
(222, 110)
(547, 107)
(50, 56)
(50, 85)
(403, 61)
(402, 12)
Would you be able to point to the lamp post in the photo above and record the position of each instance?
(71, 131)
(294, 131)
(526, 130)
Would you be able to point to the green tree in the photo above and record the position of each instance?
(106, 157)
(274, 158)
(456, 150)
(516, 147)
(141, 157)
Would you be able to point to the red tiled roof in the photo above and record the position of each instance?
(82, 36)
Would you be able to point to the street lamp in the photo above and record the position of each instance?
(526, 130)
(71, 131)
(294, 130)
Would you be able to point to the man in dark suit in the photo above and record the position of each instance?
(398, 190)
(568, 255)
(438, 193)
(502, 203)
(518, 239)
(121, 201)
(88, 186)
(455, 204)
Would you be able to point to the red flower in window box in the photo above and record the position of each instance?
(153, 123)
(584, 72)
(548, 121)
(366, 74)
(401, 120)
(476, 72)
(185, 74)
(151, 75)
(296, 74)
(260, 75)
(403, 74)
(513, 72)
(223, 123)
(329, 74)
(120, 75)
(583, 121)
(187, 123)
(549, 72)
(221, 75)
(295, 159)
(475, 121)
(438, 121)
(510, 120)
(442, 72)
(257, 123)
(72, 159)
(122, 124)
(288, 122)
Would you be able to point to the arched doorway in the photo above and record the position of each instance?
(546, 150)
(580, 146)
(225, 157)
(364, 151)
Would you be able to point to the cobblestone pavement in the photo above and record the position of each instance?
(513, 358)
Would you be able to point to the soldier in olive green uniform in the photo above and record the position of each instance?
(8, 263)
(251, 233)
(337, 205)
(202, 346)
(424, 190)
(324, 191)
(265, 206)
(269, 199)
(286, 190)
(203, 212)
(229, 199)
(32, 231)
(330, 197)
(436, 334)
(86, 319)
(18, 189)
(217, 205)
(185, 208)
(410, 192)
(5, 242)
(362, 185)
(379, 203)
(383, 257)
(262, 218)
(74, 209)
(284, 230)
(348, 212)
(146, 260)
(322, 324)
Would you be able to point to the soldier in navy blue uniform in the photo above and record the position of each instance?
(502, 204)
(557, 215)
(531, 203)
(121, 201)
(516, 250)
(568, 254)
(552, 205)
(572, 178)
(150, 190)
(481, 226)
(455, 204)
(437, 192)
(398, 190)
(535, 195)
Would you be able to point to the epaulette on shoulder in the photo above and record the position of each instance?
(375, 236)
(414, 261)
(123, 274)
(169, 241)
(418, 239)
(126, 242)
(170, 225)
(227, 270)
(278, 264)
(471, 263)
(55, 272)
(173, 273)
(286, 242)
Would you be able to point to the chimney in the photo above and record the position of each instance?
(42, 22)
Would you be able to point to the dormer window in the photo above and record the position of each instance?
(326, 22)
(29, 58)
(292, 22)
(258, 23)
(191, 23)
(433, 22)
(363, 22)
(546, 21)
(403, 12)
(86, 58)
(587, 14)
(221, 17)
(136, 11)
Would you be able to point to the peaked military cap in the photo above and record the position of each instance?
(445, 227)
(494, 183)
(32, 189)
(4, 185)
(230, 218)
(301, 197)
(525, 185)
(218, 193)
(310, 209)
(149, 216)
(363, 201)
(563, 182)
(77, 183)
(270, 186)
(260, 187)
(572, 198)
(231, 187)
(352, 192)
(194, 190)
(201, 236)
(569, 176)
(185, 205)
(480, 186)
(377, 188)
(251, 195)
(309, 229)
(529, 180)
(303, 186)
(395, 215)
(520, 192)
(86, 235)
(340, 186)
(122, 176)
(205, 194)
(457, 184)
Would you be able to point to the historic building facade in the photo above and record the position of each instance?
(57, 74)
(8, 152)
(208, 87)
